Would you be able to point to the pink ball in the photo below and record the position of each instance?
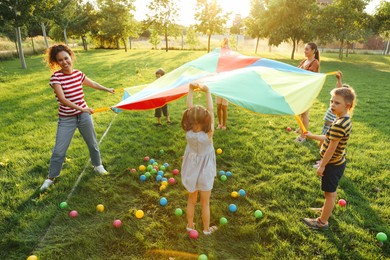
(73, 214)
(194, 234)
(133, 170)
(117, 223)
(342, 203)
(175, 172)
(288, 129)
(172, 180)
(146, 158)
(156, 168)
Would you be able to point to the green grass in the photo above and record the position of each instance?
(276, 173)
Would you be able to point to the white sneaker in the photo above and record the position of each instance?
(100, 169)
(46, 184)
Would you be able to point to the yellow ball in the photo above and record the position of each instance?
(165, 183)
(234, 194)
(163, 187)
(139, 214)
(142, 167)
(219, 151)
(100, 208)
(32, 257)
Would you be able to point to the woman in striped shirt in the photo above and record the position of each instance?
(73, 111)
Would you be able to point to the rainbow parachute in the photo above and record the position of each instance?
(257, 84)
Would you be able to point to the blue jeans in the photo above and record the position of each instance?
(65, 130)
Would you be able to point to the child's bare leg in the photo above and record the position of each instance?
(219, 114)
(224, 113)
(330, 198)
(205, 204)
(305, 121)
(191, 203)
(158, 120)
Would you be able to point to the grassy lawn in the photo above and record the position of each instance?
(276, 173)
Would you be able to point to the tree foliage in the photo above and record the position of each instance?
(256, 22)
(191, 38)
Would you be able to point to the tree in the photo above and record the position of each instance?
(162, 17)
(290, 20)
(154, 39)
(191, 38)
(256, 22)
(43, 15)
(210, 17)
(64, 14)
(382, 17)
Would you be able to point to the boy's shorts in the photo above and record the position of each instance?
(332, 176)
(164, 110)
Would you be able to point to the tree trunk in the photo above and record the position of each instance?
(43, 26)
(130, 42)
(293, 50)
(32, 43)
(166, 40)
(117, 43)
(257, 43)
(341, 49)
(208, 43)
(386, 51)
(124, 43)
(347, 50)
(65, 37)
(21, 54)
(182, 40)
(16, 47)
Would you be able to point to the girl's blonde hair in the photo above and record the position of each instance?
(197, 115)
(51, 55)
(348, 94)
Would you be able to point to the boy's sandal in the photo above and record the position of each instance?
(223, 127)
(211, 230)
(300, 139)
(159, 125)
(169, 122)
(190, 229)
(315, 223)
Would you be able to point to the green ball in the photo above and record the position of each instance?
(223, 221)
(162, 168)
(147, 174)
(223, 178)
(202, 257)
(63, 205)
(178, 212)
(149, 168)
(258, 214)
(155, 164)
(154, 171)
(161, 151)
(382, 237)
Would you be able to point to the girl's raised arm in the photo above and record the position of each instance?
(190, 95)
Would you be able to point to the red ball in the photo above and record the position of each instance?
(156, 168)
(193, 234)
(117, 223)
(172, 180)
(133, 170)
(342, 203)
(146, 158)
(288, 129)
(175, 172)
(73, 214)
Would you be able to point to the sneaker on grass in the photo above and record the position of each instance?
(100, 169)
(46, 184)
(315, 223)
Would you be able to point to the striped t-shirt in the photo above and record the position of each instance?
(329, 116)
(72, 86)
(339, 130)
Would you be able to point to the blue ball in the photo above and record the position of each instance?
(229, 174)
(151, 161)
(164, 179)
(242, 192)
(142, 177)
(221, 172)
(161, 173)
(158, 178)
(166, 165)
(232, 208)
(163, 201)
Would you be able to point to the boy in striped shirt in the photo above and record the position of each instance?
(332, 165)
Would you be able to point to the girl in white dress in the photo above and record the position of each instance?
(199, 163)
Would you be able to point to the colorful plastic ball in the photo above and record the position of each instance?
(202, 257)
(221, 173)
(175, 172)
(155, 164)
(161, 173)
(164, 183)
(162, 167)
(153, 171)
(342, 203)
(117, 223)
(258, 214)
(142, 178)
(139, 214)
(232, 208)
(242, 192)
(161, 151)
(288, 129)
(63, 205)
(223, 178)
(32, 257)
(193, 234)
(382, 237)
(158, 178)
(178, 212)
(219, 151)
(142, 168)
(223, 221)
(156, 167)
(163, 187)
(146, 158)
(147, 174)
(166, 165)
(100, 208)
(149, 168)
(229, 174)
(133, 170)
(163, 201)
(151, 161)
(165, 179)
(172, 181)
(73, 214)
(234, 194)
